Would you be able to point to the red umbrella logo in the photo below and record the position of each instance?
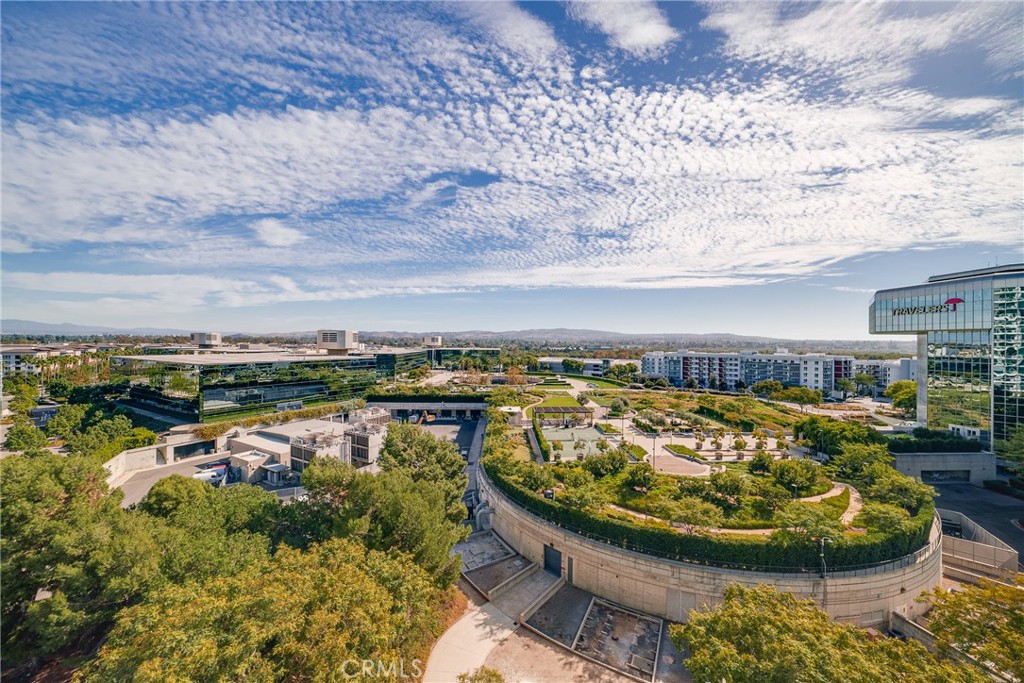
(954, 302)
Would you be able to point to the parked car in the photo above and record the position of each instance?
(211, 476)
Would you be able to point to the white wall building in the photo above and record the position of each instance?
(887, 371)
(725, 370)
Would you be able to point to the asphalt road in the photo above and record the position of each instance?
(138, 485)
(992, 510)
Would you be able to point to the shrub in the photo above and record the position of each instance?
(741, 552)
(545, 447)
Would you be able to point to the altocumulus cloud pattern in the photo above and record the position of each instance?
(315, 152)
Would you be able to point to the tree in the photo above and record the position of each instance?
(866, 382)
(173, 493)
(801, 523)
(802, 396)
(693, 514)
(728, 484)
(986, 621)
(59, 387)
(846, 385)
(770, 497)
(698, 438)
(761, 464)
(482, 674)
(572, 365)
(728, 643)
(25, 436)
(299, 616)
(68, 419)
(903, 395)
(781, 442)
(639, 476)
(739, 443)
(690, 383)
(795, 475)
(514, 377)
(606, 464)
(426, 457)
(882, 518)
(854, 459)
(766, 388)
(896, 488)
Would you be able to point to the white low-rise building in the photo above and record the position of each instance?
(727, 370)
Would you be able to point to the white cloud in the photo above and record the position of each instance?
(589, 182)
(274, 233)
(636, 26)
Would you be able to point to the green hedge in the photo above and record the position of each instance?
(743, 424)
(586, 378)
(545, 447)
(416, 398)
(752, 553)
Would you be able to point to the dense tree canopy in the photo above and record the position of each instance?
(985, 621)
(426, 457)
(296, 616)
(758, 635)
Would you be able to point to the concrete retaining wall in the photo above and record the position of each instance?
(670, 589)
(135, 459)
(980, 466)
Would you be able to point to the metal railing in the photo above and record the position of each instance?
(934, 543)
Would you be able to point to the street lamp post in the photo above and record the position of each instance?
(654, 453)
(824, 571)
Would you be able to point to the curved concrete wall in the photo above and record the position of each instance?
(671, 589)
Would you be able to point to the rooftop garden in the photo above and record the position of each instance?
(769, 518)
(687, 409)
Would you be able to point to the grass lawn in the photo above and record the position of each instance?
(606, 428)
(638, 451)
(558, 400)
(683, 450)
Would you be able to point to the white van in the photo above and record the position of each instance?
(213, 476)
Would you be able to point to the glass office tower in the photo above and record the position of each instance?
(970, 348)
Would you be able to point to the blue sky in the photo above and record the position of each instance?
(751, 168)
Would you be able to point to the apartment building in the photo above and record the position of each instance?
(726, 370)
(886, 372)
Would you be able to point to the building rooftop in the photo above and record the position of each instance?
(304, 428)
(979, 272)
(242, 358)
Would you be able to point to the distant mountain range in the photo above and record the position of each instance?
(549, 337)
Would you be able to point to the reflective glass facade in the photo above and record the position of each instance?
(971, 352)
(205, 389)
(1007, 359)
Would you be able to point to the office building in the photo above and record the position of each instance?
(198, 387)
(970, 347)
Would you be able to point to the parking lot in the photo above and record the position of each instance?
(994, 511)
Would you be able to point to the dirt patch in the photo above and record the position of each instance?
(560, 617)
(625, 640)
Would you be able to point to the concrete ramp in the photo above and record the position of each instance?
(524, 593)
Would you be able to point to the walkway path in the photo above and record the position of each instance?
(854, 507)
(484, 626)
(465, 646)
